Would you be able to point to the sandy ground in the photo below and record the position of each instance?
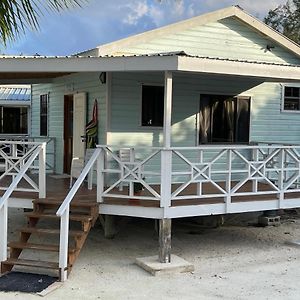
(235, 261)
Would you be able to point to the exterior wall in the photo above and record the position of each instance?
(66, 85)
(228, 38)
(268, 122)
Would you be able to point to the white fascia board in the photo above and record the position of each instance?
(87, 64)
(236, 68)
(14, 103)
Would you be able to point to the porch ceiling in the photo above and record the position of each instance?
(43, 68)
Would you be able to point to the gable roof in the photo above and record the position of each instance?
(232, 11)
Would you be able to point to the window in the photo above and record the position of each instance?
(44, 115)
(13, 120)
(152, 105)
(224, 119)
(291, 98)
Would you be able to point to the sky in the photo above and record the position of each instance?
(101, 21)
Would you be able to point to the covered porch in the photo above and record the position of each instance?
(167, 181)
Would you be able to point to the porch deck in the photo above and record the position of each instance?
(59, 187)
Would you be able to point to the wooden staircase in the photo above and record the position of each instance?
(43, 224)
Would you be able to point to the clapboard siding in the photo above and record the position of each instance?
(71, 84)
(227, 38)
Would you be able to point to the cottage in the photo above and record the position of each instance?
(196, 118)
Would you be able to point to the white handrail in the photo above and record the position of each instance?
(20, 175)
(78, 183)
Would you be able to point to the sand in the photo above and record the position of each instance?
(235, 261)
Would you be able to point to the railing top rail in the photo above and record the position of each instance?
(20, 175)
(78, 183)
(126, 146)
(211, 146)
(21, 143)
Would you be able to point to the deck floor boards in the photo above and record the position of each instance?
(58, 188)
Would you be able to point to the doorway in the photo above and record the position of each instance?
(68, 132)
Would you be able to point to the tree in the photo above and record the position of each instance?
(17, 15)
(286, 19)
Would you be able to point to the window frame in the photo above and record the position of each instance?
(44, 114)
(242, 96)
(141, 107)
(283, 86)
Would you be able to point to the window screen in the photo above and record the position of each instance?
(152, 105)
(224, 119)
(44, 115)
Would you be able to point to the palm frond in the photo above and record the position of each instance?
(18, 15)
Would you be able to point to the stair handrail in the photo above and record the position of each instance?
(64, 213)
(87, 168)
(5, 197)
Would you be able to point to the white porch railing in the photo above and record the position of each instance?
(50, 149)
(201, 173)
(18, 168)
(13, 156)
(204, 172)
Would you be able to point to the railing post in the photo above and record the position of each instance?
(64, 244)
(166, 178)
(100, 175)
(228, 180)
(255, 159)
(199, 184)
(3, 232)
(42, 171)
(281, 177)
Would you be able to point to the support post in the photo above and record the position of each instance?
(42, 171)
(166, 154)
(165, 241)
(64, 244)
(100, 176)
(3, 232)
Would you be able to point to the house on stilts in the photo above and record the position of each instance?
(196, 118)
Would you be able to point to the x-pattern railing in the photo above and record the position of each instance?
(13, 156)
(130, 173)
(228, 169)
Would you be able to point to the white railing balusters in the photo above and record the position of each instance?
(228, 180)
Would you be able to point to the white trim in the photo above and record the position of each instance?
(11, 103)
(108, 99)
(282, 87)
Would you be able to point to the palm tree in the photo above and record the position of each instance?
(17, 15)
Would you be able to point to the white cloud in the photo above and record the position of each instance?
(136, 11)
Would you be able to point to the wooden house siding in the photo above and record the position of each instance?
(71, 84)
(227, 38)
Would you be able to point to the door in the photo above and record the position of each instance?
(68, 132)
(79, 122)
(74, 128)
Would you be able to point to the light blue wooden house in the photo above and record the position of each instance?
(196, 118)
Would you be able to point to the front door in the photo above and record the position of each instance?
(74, 128)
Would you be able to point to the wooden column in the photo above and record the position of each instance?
(165, 240)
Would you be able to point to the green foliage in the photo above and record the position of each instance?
(286, 19)
(17, 15)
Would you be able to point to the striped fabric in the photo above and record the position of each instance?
(92, 128)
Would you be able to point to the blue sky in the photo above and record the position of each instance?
(102, 21)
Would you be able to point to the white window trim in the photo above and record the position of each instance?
(286, 111)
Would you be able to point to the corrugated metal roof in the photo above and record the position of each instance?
(15, 93)
(168, 54)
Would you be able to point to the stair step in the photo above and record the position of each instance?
(79, 218)
(32, 246)
(44, 231)
(31, 263)
(74, 203)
